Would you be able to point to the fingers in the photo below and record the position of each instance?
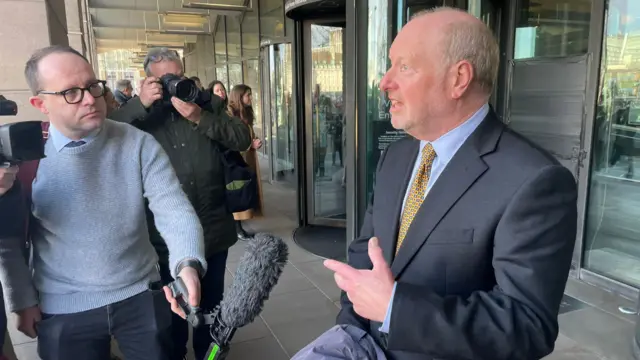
(342, 269)
(194, 293)
(375, 254)
(342, 283)
(174, 303)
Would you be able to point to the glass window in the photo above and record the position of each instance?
(283, 135)
(252, 79)
(234, 40)
(222, 74)
(235, 75)
(250, 38)
(612, 243)
(271, 18)
(221, 41)
(251, 68)
(548, 28)
(379, 131)
(327, 122)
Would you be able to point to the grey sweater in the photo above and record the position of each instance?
(90, 240)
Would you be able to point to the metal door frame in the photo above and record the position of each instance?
(265, 84)
(308, 114)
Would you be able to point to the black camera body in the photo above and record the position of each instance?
(184, 89)
(19, 141)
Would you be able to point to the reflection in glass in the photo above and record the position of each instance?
(221, 74)
(547, 28)
(235, 76)
(251, 78)
(220, 42)
(327, 122)
(282, 122)
(612, 243)
(271, 19)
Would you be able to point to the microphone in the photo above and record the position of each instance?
(257, 274)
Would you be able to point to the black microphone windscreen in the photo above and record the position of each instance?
(257, 274)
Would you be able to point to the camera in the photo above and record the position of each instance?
(19, 141)
(184, 89)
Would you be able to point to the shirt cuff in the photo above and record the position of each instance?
(387, 319)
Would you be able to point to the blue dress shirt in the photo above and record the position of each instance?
(60, 141)
(445, 147)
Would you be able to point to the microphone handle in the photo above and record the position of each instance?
(217, 352)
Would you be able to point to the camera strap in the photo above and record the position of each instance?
(26, 175)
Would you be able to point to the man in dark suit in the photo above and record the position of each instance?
(466, 246)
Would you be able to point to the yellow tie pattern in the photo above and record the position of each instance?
(416, 194)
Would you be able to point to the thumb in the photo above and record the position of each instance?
(375, 254)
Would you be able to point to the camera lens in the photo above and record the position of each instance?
(186, 90)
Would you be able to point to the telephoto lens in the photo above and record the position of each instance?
(184, 89)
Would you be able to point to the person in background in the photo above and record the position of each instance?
(112, 104)
(196, 80)
(124, 91)
(194, 137)
(216, 87)
(240, 105)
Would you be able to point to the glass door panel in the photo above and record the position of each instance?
(612, 236)
(325, 124)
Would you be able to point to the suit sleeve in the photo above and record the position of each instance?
(533, 246)
(358, 257)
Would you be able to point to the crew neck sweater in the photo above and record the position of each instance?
(90, 239)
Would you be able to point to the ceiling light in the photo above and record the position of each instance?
(180, 32)
(185, 20)
(216, 7)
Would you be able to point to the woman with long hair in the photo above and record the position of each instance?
(240, 106)
(216, 87)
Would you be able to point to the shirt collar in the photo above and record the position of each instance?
(448, 144)
(60, 141)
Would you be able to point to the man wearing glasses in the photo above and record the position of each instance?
(94, 269)
(194, 137)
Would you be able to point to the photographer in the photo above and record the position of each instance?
(194, 136)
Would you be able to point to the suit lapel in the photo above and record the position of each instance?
(459, 175)
(397, 196)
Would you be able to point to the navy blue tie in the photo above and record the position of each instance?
(76, 144)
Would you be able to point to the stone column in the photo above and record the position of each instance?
(23, 29)
(75, 26)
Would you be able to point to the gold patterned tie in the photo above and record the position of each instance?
(416, 194)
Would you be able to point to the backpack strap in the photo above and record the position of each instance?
(27, 174)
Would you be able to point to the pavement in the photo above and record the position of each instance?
(305, 302)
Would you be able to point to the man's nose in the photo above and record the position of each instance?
(88, 99)
(386, 82)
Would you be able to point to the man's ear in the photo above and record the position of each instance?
(38, 103)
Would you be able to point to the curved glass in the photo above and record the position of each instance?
(612, 243)
(327, 122)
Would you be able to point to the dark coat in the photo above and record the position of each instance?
(195, 152)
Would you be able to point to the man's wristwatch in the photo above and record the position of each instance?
(192, 263)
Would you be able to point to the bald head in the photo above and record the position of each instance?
(462, 37)
(444, 63)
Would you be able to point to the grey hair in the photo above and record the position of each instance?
(159, 54)
(31, 72)
(474, 42)
(123, 84)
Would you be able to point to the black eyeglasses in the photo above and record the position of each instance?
(76, 94)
